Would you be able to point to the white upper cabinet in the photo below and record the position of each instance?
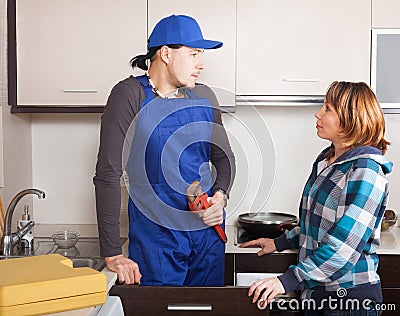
(291, 47)
(72, 52)
(217, 21)
(385, 13)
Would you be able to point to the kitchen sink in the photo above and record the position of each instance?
(77, 262)
(94, 263)
(84, 254)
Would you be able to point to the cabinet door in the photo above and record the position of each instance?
(291, 47)
(389, 271)
(385, 13)
(72, 52)
(390, 302)
(217, 21)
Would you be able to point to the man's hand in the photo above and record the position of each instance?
(214, 215)
(267, 245)
(127, 269)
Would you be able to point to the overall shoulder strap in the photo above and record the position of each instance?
(144, 82)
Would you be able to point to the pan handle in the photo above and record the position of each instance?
(286, 225)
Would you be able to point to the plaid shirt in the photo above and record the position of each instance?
(341, 212)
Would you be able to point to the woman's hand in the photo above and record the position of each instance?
(267, 245)
(271, 287)
(127, 269)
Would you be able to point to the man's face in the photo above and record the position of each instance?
(184, 66)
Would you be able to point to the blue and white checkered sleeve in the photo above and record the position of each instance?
(288, 240)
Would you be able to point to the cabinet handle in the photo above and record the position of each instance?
(272, 100)
(80, 90)
(189, 307)
(300, 80)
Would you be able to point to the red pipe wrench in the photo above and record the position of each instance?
(197, 201)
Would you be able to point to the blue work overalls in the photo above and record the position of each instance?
(171, 148)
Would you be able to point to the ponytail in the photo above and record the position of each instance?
(139, 61)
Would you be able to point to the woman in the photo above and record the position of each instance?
(341, 211)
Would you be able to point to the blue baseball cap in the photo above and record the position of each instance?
(179, 29)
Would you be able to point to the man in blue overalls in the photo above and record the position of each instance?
(164, 130)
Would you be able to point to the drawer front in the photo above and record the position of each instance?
(153, 300)
(273, 263)
(389, 271)
(391, 299)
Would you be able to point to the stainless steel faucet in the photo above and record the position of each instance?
(11, 239)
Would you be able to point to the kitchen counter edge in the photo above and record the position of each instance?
(390, 242)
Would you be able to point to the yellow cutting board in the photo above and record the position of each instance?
(46, 284)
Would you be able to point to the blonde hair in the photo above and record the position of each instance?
(360, 115)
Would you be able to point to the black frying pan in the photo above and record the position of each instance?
(266, 224)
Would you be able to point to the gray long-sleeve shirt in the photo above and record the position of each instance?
(123, 105)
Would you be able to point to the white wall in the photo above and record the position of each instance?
(64, 152)
(17, 157)
(290, 156)
(393, 154)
